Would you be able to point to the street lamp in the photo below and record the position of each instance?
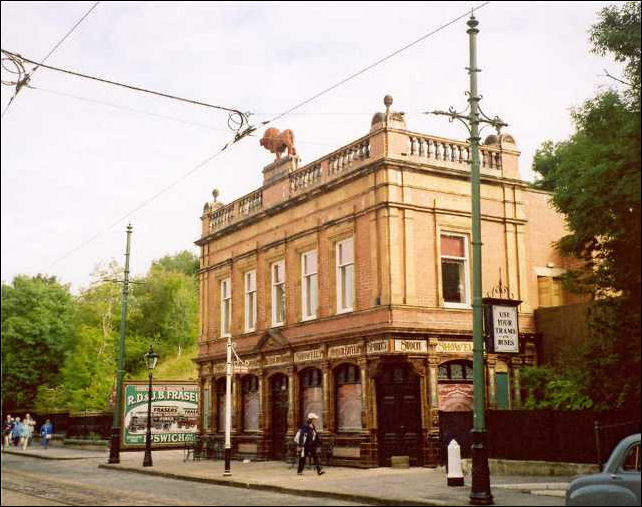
(151, 358)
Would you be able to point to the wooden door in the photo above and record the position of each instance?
(399, 415)
(279, 398)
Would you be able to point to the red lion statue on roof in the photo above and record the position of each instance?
(276, 141)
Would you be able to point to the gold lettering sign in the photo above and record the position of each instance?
(377, 347)
(308, 355)
(355, 349)
(416, 346)
(218, 368)
(456, 347)
(253, 363)
(276, 359)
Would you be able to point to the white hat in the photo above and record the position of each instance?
(312, 415)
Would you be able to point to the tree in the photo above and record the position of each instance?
(183, 262)
(167, 310)
(90, 364)
(594, 177)
(36, 317)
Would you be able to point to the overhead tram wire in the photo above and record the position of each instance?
(236, 115)
(28, 76)
(250, 129)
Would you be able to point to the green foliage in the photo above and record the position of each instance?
(166, 310)
(619, 33)
(36, 314)
(547, 389)
(60, 352)
(594, 177)
(183, 262)
(174, 367)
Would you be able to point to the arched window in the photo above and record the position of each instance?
(312, 395)
(456, 386)
(347, 381)
(456, 371)
(250, 390)
(220, 403)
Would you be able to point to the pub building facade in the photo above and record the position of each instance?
(345, 285)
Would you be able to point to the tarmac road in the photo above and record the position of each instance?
(29, 481)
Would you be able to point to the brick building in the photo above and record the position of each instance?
(345, 284)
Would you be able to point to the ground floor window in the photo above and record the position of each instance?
(455, 388)
(220, 405)
(205, 407)
(251, 403)
(347, 381)
(312, 395)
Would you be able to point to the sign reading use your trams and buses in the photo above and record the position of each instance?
(174, 413)
(501, 325)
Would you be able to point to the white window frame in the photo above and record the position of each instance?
(281, 264)
(304, 285)
(226, 300)
(340, 295)
(466, 259)
(250, 310)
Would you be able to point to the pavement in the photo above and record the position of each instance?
(54, 453)
(376, 486)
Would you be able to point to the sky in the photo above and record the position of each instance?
(81, 159)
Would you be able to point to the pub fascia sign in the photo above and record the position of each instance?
(501, 325)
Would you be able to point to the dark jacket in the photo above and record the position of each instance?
(309, 437)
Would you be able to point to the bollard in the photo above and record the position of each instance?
(455, 475)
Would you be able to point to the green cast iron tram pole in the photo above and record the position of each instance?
(480, 493)
(114, 449)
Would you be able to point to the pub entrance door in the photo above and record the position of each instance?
(399, 414)
(279, 399)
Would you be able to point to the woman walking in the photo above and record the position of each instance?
(27, 432)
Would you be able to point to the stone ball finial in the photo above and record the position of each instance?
(387, 100)
(215, 194)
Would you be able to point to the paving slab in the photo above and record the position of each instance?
(57, 453)
(379, 486)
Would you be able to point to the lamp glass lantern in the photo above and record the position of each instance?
(151, 358)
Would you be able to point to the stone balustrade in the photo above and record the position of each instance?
(331, 166)
(304, 178)
(456, 152)
(420, 147)
(241, 208)
(342, 159)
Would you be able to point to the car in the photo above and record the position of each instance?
(617, 484)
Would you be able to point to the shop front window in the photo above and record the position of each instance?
(347, 381)
(251, 403)
(312, 395)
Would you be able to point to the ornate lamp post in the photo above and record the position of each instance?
(480, 493)
(151, 358)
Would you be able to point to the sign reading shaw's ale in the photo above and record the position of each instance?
(501, 325)
(174, 413)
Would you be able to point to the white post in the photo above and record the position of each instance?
(228, 408)
(455, 475)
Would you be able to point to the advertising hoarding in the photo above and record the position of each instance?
(175, 409)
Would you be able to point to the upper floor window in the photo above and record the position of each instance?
(250, 300)
(454, 270)
(345, 275)
(309, 284)
(278, 293)
(226, 306)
